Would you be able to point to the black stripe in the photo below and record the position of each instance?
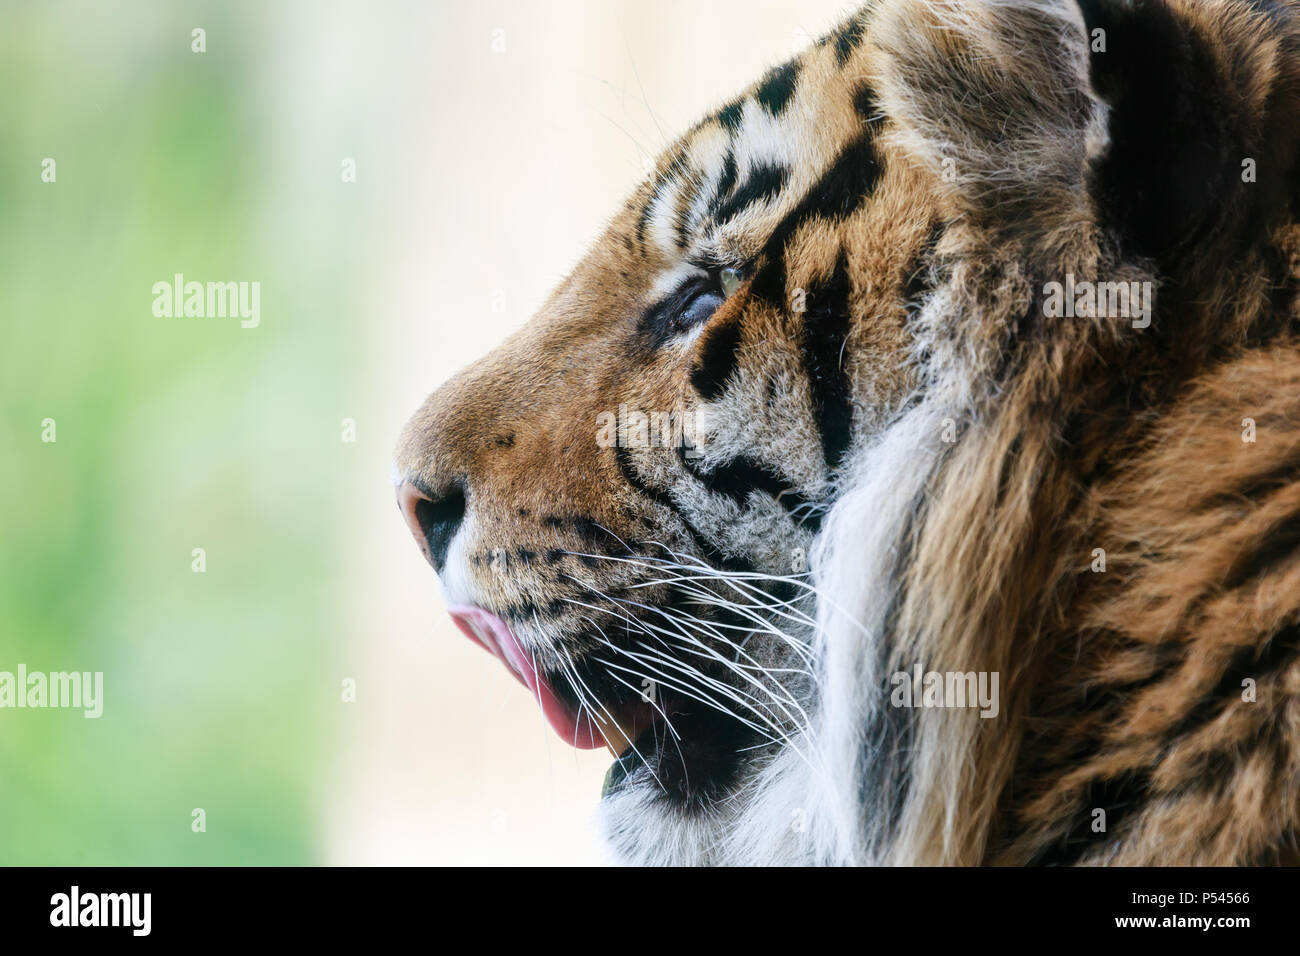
(702, 545)
(1008, 467)
(741, 476)
(1278, 545)
(731, 115)
(847, 38)
(763, 182)
(643, 221)
(677, 168)
(1257, 486)
(726, 180)
(1119, 796)
(864, 103)
(718, 354)
(1254, 662)
(823, 344)
(1094, 698)
(839, 193)
(778, 88)
(1213, 768)
(682, 214)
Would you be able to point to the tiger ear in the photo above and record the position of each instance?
(1172, 124)
(1202, 121)
(993, 97)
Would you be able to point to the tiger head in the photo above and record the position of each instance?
(827, 402)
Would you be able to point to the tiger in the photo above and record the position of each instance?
(907, 475)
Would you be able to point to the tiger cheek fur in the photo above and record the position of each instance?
(801, 420)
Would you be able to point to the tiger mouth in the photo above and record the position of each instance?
(689, 752)
(620, 725)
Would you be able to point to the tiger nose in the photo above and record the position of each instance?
(433, 520)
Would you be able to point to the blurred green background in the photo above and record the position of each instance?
(492, 139)
(220, 688)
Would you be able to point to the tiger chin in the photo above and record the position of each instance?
(908, 474)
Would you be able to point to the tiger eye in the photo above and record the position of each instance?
(698, 311)
(730, 281)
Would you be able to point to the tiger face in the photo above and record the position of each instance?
(621, 499)
(799, 419)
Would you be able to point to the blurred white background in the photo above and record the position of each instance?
(493, 140)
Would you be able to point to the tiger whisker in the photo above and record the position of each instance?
(729, 664)
(767, 690)
(727, 690)
(571, 674)
(779, 733)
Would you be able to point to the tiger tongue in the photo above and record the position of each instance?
(599, 730)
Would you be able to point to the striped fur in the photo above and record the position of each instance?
(889, 392)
